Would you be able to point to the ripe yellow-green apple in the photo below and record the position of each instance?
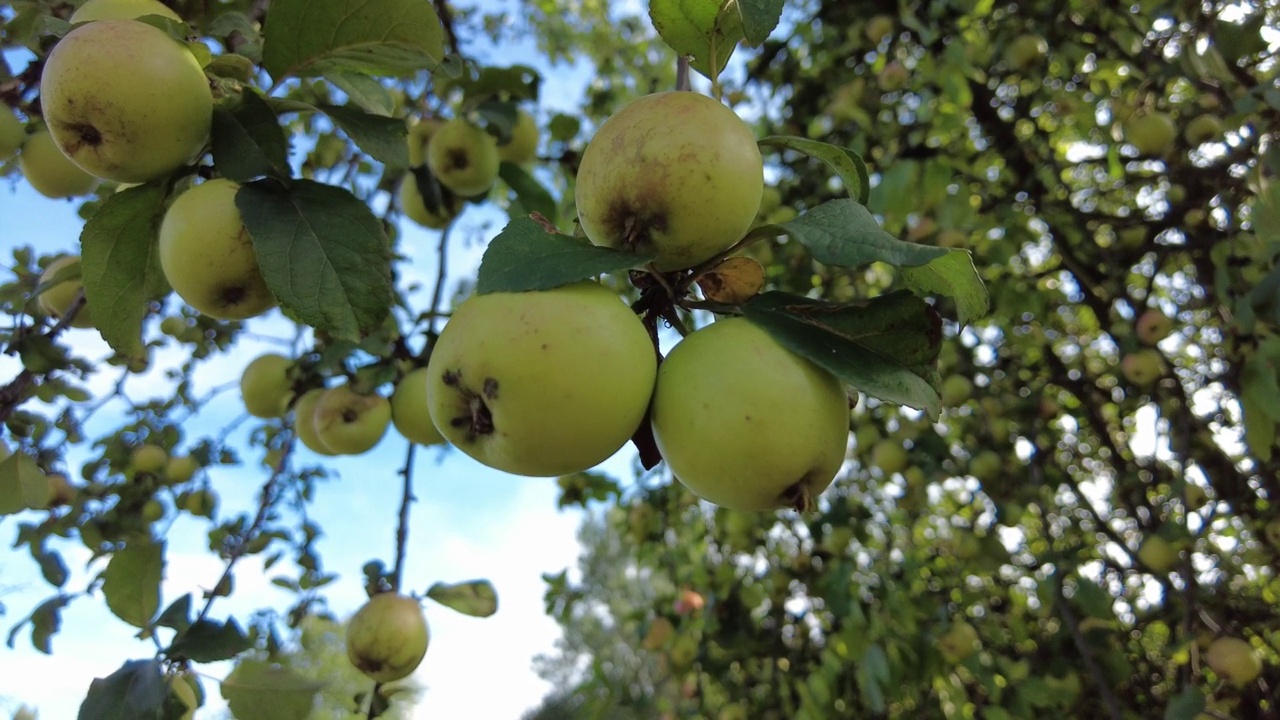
(125, 101)
(1151, 133)
(541, 383)
(463, 157)
(959, 642)
(676, 174)
(986, 465)
(152, 510)
(410, 413)
(1195, 496)
(956, 389)
(1234, 660)
(208, 257)
(148, 458)
(878, 28)
(49, 171)
(889, 456)
(387, 637)
(121, 10)
(265, 386)
(1025, 51)
(1142, 367)
(415, 207)
(348, 422)
(417, 137)
(184, 694)
(1152, 326)
(1202, 129)
(180, 469)
(1158, 554)
(893, 76)
(201, 503)
(56, 299)
(304, 422)
(12, 134)
(747, 424)
(522, 147)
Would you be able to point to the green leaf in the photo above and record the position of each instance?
(564, 127)
(697, 29)
(137, 691)
(46, 621)
(364, 91)
(23, 485)
(533, 197)
(258, 690)
(1186, 705)
(527, 255)
(873, 677)
(884, 347)
(843, 233)
(322, 253)
(307, 38)
(847, 164)
(248, 142)
(954, 276)
(383, 138)
(177, 615)
(131, 582)
(476, 598)
(120, 265)
(759, 18)
(52, 567)
(210, 641)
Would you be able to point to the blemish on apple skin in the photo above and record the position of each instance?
(491, 388)
(451, 378)
(232, 295)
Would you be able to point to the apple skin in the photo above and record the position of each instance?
(180, 469)
(121, 10)
(890, 456)
(959, 643)
(350, 423)
(414, 208)
(1234, 660)
(12, 134)
(148, 458)
(747, 424)
(208, 256)
(956, 389)
(1152, 133)
(1202, 129)
(674, 173)
(1025, 51)
(58, 298)
(878, 28)
(50, 172)
(1142, 367)
(125, 101)
(463, 157)
(304, 422)
(265, 386)
(409, 411)
(986, 466)
(1152, 326)
(541, 383)
(418, 136)
(523, 146)
(388, 637)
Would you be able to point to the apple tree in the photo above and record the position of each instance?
(247, 160)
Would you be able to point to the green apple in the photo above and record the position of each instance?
(50, 172)
(1152, 326)
(415, 208)
(410, 413)
(1142, 367)
(148, 458)
(180, 469)
(890, 456)
(265, 386)
(388, 637)
(683, 652)
(125, 101)
(121, 10)
(541, 383)
(56, 299)
(986, 466)
(1234, 660)
(1202, 129)
(417, 137)
(522, 147)
(1025, 52)
(1195, 496)
(350, 423)
(747, 424)
(200, 503)
(208, 256)
(893, 77)
(1156, 553)
(463, 157)
(1152, 133)
(152, 510)
(956, 389)
(676, 174)
(959, 642)
(878, 28)
(304, 422)
(12, 134)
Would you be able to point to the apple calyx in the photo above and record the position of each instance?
(478, 420)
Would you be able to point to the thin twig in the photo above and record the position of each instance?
(402, 530)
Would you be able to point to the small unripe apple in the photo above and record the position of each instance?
(986, 466)
(878, 28)
(1152, 326)
(418, 136)
(1142, 367)
(388, 637)
(893, 77)
(121, 10)
(956, 389)
(523, 144)
(152, 510)
(1156, 553)
(125, 101)
(50, 172)
(1195, 496)
(1202, 129)
(410, 413)
(541, 383)
(890, 456)
(58, 298)
(148, 458)
(415, 208)
(351, 423)
(1025, 52)
(201, 503)
(304, 422)
(676, 174)
(463, 157)
(265, 386)
(1152, 133)
(208, 256)
(959, 643)
(180, 469)
(12, 134)
(1234, 660)
(747, 424)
